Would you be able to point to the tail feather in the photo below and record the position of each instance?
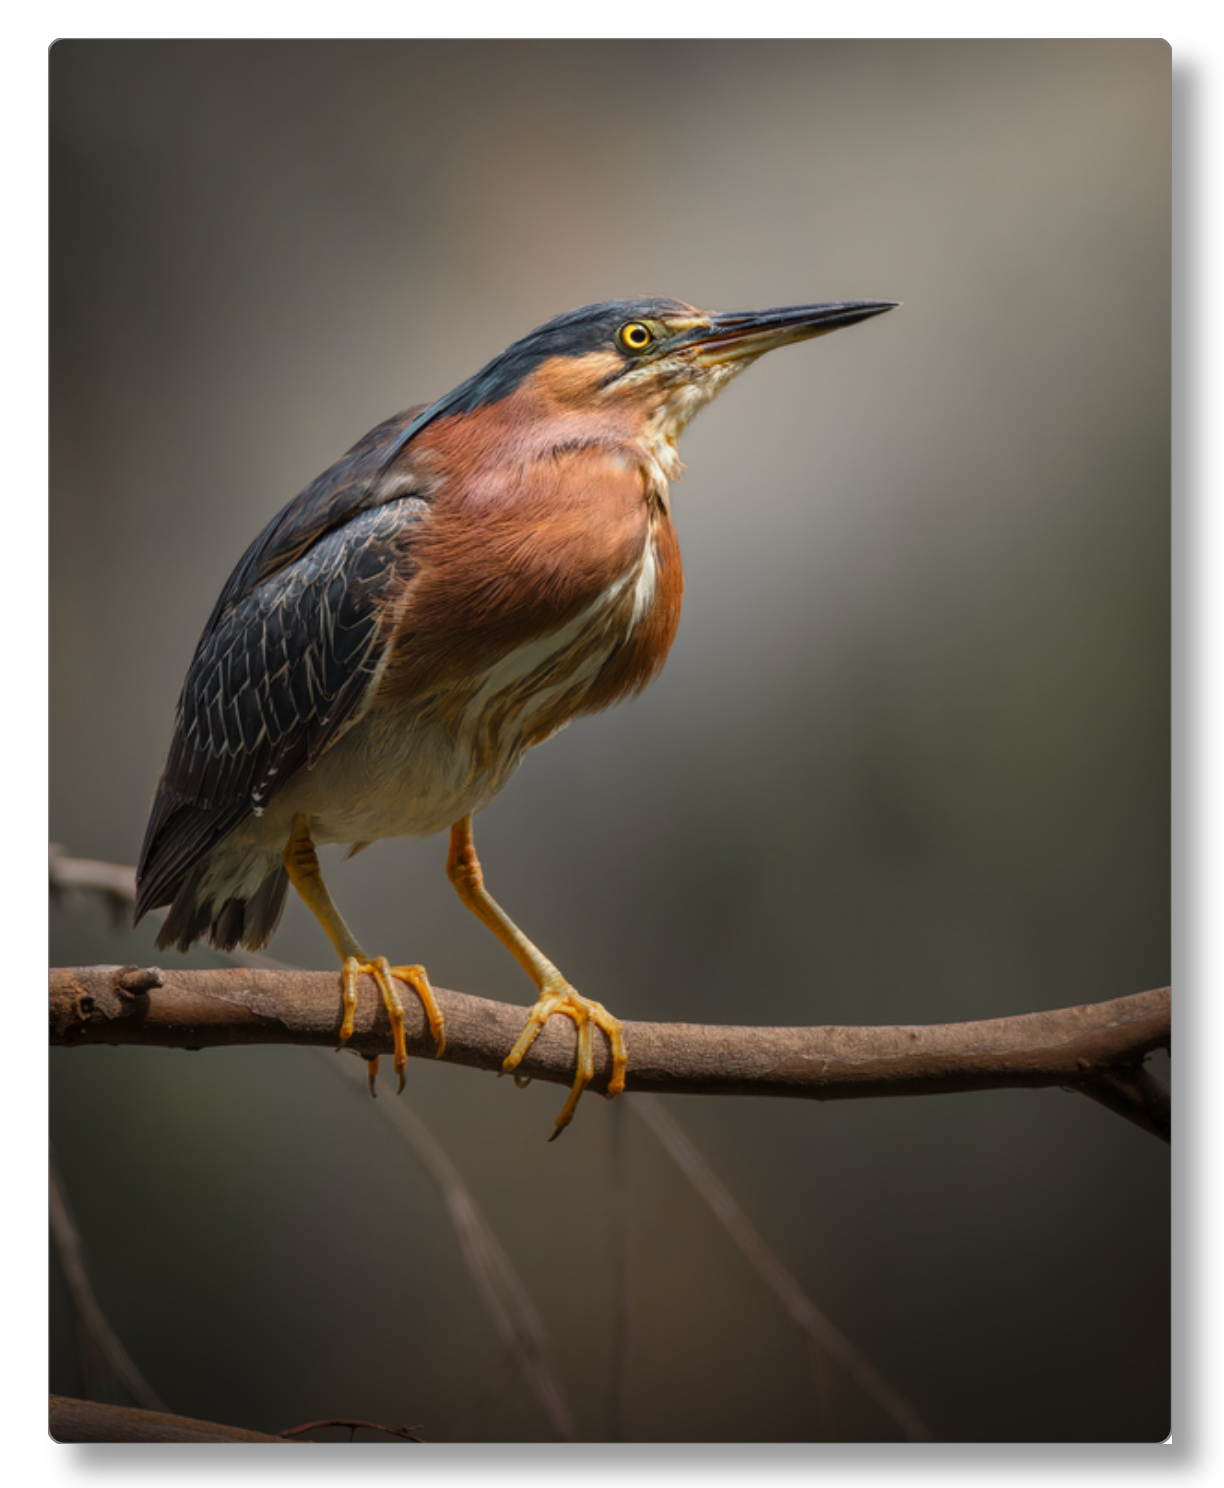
(249, 922)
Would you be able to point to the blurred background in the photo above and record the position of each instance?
(908, 762)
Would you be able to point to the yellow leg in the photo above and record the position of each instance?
(302, 865)
(556, 995)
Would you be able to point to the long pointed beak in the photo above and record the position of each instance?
(728, 336)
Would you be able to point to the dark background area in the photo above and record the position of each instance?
(908, 762)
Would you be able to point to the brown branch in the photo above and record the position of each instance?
(1098, 1048)
(89, 1421)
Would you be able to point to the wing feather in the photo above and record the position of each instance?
(285, 662)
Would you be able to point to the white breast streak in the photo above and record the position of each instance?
(645, 585)
(526, 659)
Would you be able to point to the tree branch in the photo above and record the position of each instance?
(1097, 1049)
(91, 1421)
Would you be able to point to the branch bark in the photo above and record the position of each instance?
(1097, 1049)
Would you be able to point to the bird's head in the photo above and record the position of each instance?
(662, 360)
(665, 360)
(644, 366)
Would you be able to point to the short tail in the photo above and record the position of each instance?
(249, 923)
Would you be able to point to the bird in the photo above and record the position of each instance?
(469, 577)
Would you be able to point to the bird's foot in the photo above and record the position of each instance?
(386, 977)
(588, 1016)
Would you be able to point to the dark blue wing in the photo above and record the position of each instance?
(286, 658)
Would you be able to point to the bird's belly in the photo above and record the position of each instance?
(392, 775)
(413, 771)
(387, 776)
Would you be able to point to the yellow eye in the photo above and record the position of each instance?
(635, 336)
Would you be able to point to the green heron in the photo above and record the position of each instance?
(470, 576)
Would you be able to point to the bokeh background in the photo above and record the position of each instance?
(908, 762)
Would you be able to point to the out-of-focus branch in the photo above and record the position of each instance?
(100, 1343)
(89, 1421)
(803, 1311)
(499, 1286)
(116, 884)
(1098, 1048)
(1137, 1094)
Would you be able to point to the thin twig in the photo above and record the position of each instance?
(501, 1289)
(96, 1334)
(771, 1270)
(401, 1433)
(1138, 1095)
(621, 1196)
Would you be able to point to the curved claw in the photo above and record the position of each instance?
(587, 1016)
(386, 975)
